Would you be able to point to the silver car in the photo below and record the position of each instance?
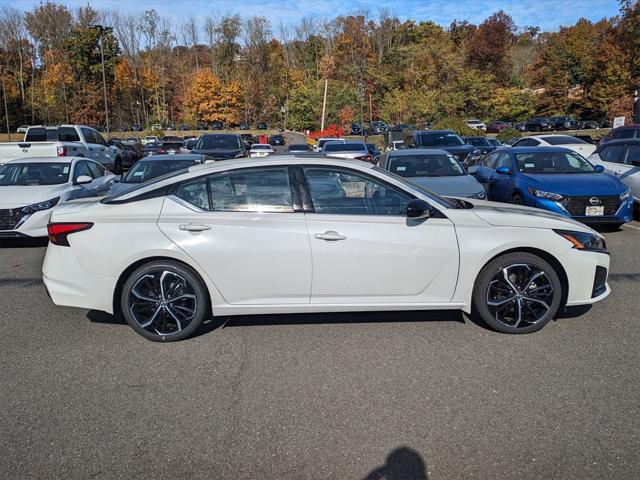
(350, 150)
(434, 169)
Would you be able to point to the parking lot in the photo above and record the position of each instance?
(369, 395)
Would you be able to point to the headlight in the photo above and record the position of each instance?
(36, 207)
(583, 240)
(556, 197)
(480, 195)
(625, 195)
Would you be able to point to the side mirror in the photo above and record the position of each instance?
(599, 168)
(503, 170)
(635, 163)
(117, 179)
(83, 180)
(419, 209)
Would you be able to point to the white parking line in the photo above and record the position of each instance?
(631, 226)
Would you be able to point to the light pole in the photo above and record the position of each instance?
(6, 110)
(101, 30)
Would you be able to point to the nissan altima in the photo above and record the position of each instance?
(297, 234)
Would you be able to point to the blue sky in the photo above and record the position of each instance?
(547, 14)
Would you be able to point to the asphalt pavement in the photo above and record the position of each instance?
(390, 395)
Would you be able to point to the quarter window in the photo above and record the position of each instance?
(349, 193)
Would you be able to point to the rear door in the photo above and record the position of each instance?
(366, 251)
(242, 228)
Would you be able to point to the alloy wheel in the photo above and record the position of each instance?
(520, 295)
(162, 302)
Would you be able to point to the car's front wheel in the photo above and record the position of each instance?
(164, 301)
(517, 293)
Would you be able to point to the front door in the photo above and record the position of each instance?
(241, 228)
(366, 251)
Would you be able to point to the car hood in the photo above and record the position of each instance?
(218, 154)
(576, 183)
(20, 196)
(455, 186)
(508, 215)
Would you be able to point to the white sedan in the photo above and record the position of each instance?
(31, 187)
(476, 124)
(261, 150)
(566, 141)
(296, 235)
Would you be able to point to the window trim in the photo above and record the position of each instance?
(372, 178)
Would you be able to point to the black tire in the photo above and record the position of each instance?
(517, 199)
(152, 302)
(527, 311)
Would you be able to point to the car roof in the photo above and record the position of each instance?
(179, 156)
(436, 131)
(47, 160)
(225, 165)
(542, 149)
(419, 151)
(622, 141)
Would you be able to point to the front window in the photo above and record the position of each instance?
(143, 171)
(559, 162)
(34, 174)
(262, 190)
(425, 166)
(336, 191)
(440, 140)
(219, 142)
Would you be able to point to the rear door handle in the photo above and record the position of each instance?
(194, 227)
(330, 236)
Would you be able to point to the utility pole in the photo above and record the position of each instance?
(636, 106)
(6, 110)
(370, 110)
(324, 103)
(102, 29)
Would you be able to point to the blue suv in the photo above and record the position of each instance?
(555, 179)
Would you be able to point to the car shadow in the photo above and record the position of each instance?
(403, 463)
(23, 242)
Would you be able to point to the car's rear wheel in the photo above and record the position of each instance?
(164, 301)
(517, 293)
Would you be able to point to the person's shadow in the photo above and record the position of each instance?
(403, 463)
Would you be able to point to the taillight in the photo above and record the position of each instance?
(365, 158)
(62, 150)
(58, 232)
(161, 150)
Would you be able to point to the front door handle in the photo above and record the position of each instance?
(330, 236)
(194, 227)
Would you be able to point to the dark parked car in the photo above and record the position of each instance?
(127, 156)
(400, 127)
(151, 148)
(299, 148)
(481, 143)
(588, 125)
(220, 146)
(184, 128)
(538, 124)
(378, 127)
(521, 126)
(356, 129)
(244, 126)
(276, 140)
(445, 140)
(261, 126)
(627, 131)
(136, 127)
(563, 123)
(190, 143)
(171, 147)
(202, 126)
(496, 126)
(374, 151)
(135, 144)
(217, 125)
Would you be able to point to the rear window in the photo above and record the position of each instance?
(562, 140)
(446, 139)
(344, 147)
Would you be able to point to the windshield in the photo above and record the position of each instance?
(559, 162)
(425, 166)
(446, 139)
(344, 147)
(219, 142)
(260, 147)
(562, 140)
(300, 147)
(325, 140)
(143, 171)
(478, 142)
(34, 174)
(442, 200)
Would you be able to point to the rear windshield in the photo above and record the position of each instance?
(146, 170)
(34, 174)
(325, 140)
(344, 147)
(260, 147)
(55, 134)
(425, 166)
(562, 140)
(440, 140)
(219, 142)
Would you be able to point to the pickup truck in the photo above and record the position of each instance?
(61, 141)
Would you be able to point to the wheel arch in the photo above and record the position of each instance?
(126, 273)
(546, 256)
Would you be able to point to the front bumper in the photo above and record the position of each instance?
(587, 274)
(623, 214)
